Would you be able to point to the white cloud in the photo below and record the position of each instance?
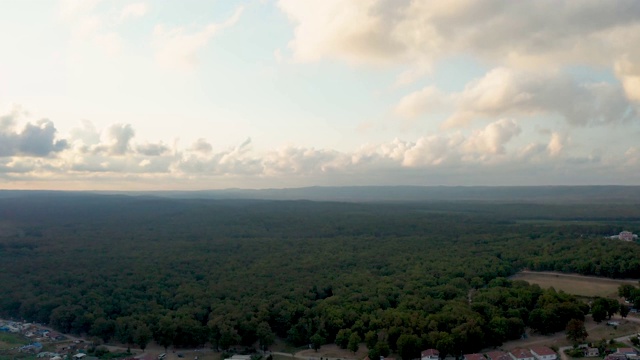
(495, 29)
(202, 146)
(556, 144)
(90, 26)
(34, 140)
(629, 74)
(177, 47)
(491, 139)
(133, 11)
(427, 100)
(520, 34)
(332, 28)
(120, 135)
(509, 92)
(73, 8)
(447, 157)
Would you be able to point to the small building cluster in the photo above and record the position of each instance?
(534, 353)
(623, 354)
(625, 236)
(31, 331)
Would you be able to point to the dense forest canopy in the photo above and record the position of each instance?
(398, 276)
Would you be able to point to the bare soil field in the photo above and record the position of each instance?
(333, 351)
(579, 285)
(596, 332)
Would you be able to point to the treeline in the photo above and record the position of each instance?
(399, 277)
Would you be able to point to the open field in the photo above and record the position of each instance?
(579, 285)
(8, 341)
(596, 332)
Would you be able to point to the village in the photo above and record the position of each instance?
(46, 344)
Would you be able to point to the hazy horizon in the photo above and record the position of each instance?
(263, 94)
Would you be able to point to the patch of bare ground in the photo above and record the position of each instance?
(596, 332)
(335, 352)
(580, 285)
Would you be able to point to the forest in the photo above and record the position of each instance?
(398, 276)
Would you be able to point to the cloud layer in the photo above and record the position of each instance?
(114, 154)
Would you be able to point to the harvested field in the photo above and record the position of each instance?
(588, 286)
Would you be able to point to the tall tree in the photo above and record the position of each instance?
(265, 335)
(576, 332)
(316, 341)
(165, 332)
(354, 342)
(142, 336)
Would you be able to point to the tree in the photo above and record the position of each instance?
(624, 310)
(576, 332)
(265, 335)
(125, 327)
(165, 332)
(373, 354)
(613, 306)
(316, 341)
(408, 346)
(382, 348)
(354, 342)
(625, 290)
(342, 338)
(598, 312)
(370, 339)
(103, 328)
(142, 336)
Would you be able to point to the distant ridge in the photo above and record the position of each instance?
(543, 194)
(529, 194)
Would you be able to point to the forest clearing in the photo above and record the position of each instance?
(575, 284)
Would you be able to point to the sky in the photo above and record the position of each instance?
(213, 94)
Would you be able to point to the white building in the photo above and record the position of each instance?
(625, 236)
(543, 353)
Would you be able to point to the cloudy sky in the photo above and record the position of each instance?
(209, 94)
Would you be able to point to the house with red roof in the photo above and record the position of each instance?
(616, 356)
(521, 354)
(430, 354)
(628, 352)
(543, 353)
(498, 355)
(474, 357)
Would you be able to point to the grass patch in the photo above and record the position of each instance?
(588, 286)
(8, 340)
(19, 356)
(609, 332)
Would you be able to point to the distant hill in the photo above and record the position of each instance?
(538, 194)
(527, 194)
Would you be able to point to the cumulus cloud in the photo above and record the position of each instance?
(509, 92)
(519, 34)
(371, 29)
(120, 135)
(177, 47)
(37, 140)
(353, 30)
(427, 100)
(117, 156)
(505, 91)
(202, 146)
(629, 74)
(150, 149)
(304, 161)
(85, 134)
(556, 144)
(491, 139)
